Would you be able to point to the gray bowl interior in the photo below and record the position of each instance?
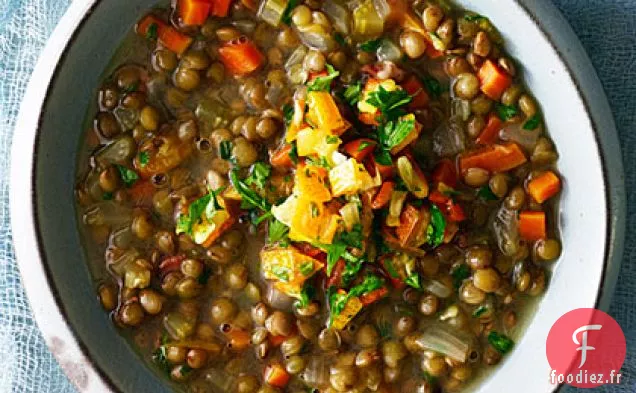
(61, 129)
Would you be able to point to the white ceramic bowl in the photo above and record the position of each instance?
(49, 131)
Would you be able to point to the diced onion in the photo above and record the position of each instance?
(515, 133)
(350, 215)
(461, 109)
(389, 51)
(339, 16)
(317, 38)
(296, 57)
(449, 139)
(271, 11)
(506, 231)
(436, 288)
(316, 373)
(121, 150)
(395, 208)
(446, 341)
(278, 300)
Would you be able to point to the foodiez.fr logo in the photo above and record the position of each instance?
(586, 348)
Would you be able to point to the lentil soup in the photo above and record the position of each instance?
(322, 195)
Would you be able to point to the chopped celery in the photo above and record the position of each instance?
(366, 21)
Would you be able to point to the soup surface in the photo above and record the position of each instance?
(318, 196)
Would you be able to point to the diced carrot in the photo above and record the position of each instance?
(238, 339)
(194, 12)
(544, 187)
(491, 131)
(438, 198)
(374, 296)
(532, 225)
(167, 35)
(280, 158)
(227, 224)
(495, 158)
(416, 89)
(410, 138)
(410, 220)
(141, 193)
(383, 196)
(323, 112)
(494, 81)
(275, 375)
(370, 119)
(220, 8)
(241, 56)
(360, 148)
(444, 172)
(455, 212)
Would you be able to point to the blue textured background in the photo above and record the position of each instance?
(606, 28)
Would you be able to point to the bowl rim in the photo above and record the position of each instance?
(49, 311)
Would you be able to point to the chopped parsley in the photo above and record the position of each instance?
(486, 193)
(334, 253)
(259, 173)
(205, 275)
(277, 231)
(459, 274)
(390, 103)
(371, 46)
(159, 357)
(307, 294)
(500, 342)
(332, 139)
(249, 198)
(413, 280)
(435, 230)
(288, 113)
(281, 272)
(532, 123)
(383, 157)
(353, 93)
(128, 176)
(307, 268)
(323, 83)
(339, 39)
(293, 153)
(363, 145)
(338, 300)
(286, 17)
(144, 158)
(394, 132)
(153, 31)
(479, 311)
(506, 112)
(225, 150)
(207, 205)
(433, 87)
(472, 17)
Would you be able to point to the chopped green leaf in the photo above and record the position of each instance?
(506, 112)
(144, 158)
(334, 253)
(459, 274)
(429, 378)
(500, 342)
(413, 280)
(259, 173)
(318, 161)
(153, 31)
(337, 303)
(352, 93)
(249, 198)
(286, 17)
(363, 145)
(383, 157)
(288, 113)
(371, 46)
(323, 83)
(339, 39)
(307, 294)
(390, 268)
(128, 176)
(472, 17)
(307, 268)
(369, 284)
(281, 272)
(293, 153)
(433, 87)
(435, 230)
(131, 88)
(532, 123)
(107, 196)
(390, 103)
(385, 329)
(486, 193)
(206, 204)
(479, 311)
(225, 150)
(205, 275)
(394, 132)
(276, 231)
(332, 139)
(159, 357)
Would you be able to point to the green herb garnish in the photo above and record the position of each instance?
(435, 230)
(500, 342)
(207, 205)
(479, 311)
(323, 83)
(394, 132)
(459, 274)
(332, 139)
(144, 158)
(286, 17)
(159, 357)
(276, 231)
(371, 46)
(288, 114)
(413, 280)
(383, 157)
(433, 87)
(339, 39)
(474, 17)
(249, 198)
(293, 153)
(353, 93)
(486, 193)
(205, 275)
(306, 268)
(338, 301)
(390, 103)
(282, 273)
(307, 294)
(532, 123)
(225, 150)
(506, 112)
(128, 176)
(153, 31)
(259, 173)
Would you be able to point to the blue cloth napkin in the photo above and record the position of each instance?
(606, 28)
